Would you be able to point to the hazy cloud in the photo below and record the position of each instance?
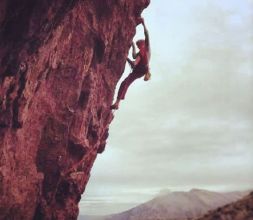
(191, 125)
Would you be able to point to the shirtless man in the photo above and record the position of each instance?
(140, 65)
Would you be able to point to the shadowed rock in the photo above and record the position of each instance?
(59, 64)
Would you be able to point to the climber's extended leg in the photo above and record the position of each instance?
(123, 88)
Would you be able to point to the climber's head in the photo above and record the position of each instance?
(141, 44)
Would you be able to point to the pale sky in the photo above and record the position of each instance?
(190, 126)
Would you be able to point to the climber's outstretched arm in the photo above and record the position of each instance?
(147, 42)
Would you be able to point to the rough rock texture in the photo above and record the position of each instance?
(240, 210)
(59, 64)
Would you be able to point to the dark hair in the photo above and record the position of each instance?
(139, 42)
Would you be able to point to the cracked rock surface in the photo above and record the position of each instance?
(60, 62)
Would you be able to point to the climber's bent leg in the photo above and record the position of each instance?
(124, 86)
(123, 89)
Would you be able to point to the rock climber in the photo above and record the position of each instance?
(140, 66)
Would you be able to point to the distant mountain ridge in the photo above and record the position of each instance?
(176, 206)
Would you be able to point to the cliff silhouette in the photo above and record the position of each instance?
(60, 63)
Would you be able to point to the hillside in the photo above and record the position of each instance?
(240, 210)
(176, 205)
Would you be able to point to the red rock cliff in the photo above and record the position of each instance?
(60, 62)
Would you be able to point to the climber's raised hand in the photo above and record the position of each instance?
(140, 20)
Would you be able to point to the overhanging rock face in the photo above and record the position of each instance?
(60, 63)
